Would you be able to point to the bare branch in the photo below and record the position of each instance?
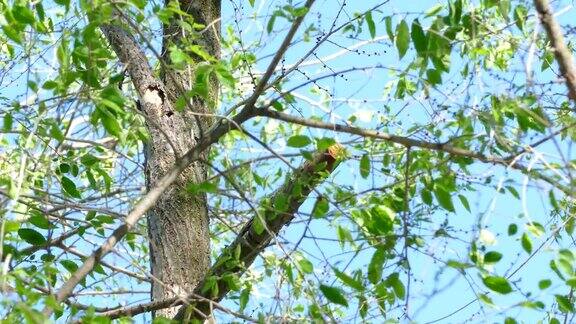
(562, 53)
(510, 161)
(165, 303)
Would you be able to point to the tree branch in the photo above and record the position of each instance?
(150, 94)
(216, 132)
(54, 242)
(561, 52)
(258, 232)
(165, 303)
(251, 240)
(510, 161)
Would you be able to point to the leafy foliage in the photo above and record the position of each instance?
(458, 174)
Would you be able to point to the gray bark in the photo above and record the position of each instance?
(178, 224)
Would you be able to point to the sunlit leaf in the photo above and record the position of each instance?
(371, 24)
(70, 187)
(365, 166)
(497, 284)
(402, 38)
(334, 295)
(299, 141)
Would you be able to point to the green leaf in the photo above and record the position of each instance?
(110, 124)
(526, 243)
(225, 76)
(349, 281)
(321, 207)
(434, 10)
(89, 159)
(545, 283)
(7, 122)
(504, 9)
(512, 229)
(464, 202)
(444, 198)
(48, 85)
(31, 236)
(202, 187)
(299, 141)
(554, 268)
(419, 37)
(277, 105)
(63, 54)
(270, 25)
(426, 196)
(458, 265)
(245, 295)
(365, 166)
(433, 76)
(334, 295)
(63, 2)
(362, 306)
(455, 11)
(305, 265)
(13, 34)
(251, 3)
(202, 80)
(520, 13)
(344, 235)
(375, 266)
(492, 257)
(571, 282)
(258, 226)
(394, 281)
(56, 133)
(388, 22)
(69, 187)
(177, 56)
(536, 228)
(371, 24)
(486, 300)
(199, 50)
(510, 320)
(513, 191)
(299, 11)
(69, 265)
(497, 284)
(547, 60)
(565, 305)
(23, 15)
(402, 38)
(33, 86)
(40, 221)
(10, 225)
(532, 304)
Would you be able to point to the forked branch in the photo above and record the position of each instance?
(257, 233)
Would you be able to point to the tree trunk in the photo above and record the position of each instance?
(178, 224)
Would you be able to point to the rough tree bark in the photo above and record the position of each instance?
(178, 223)
(250, 242)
